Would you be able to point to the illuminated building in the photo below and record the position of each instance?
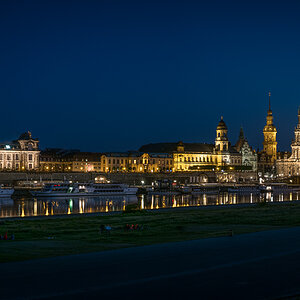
(136, 162)
(61, 160)
(56, 160)
(290, 165)
(219, 157)
(249, 156)
(267, 157)
(86, 162)
(20, 155)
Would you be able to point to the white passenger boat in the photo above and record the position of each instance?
(250, 189)
(6, 192)
(84, 189)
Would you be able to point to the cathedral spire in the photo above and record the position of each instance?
(269, 101)
(241, 140)
(242, 136)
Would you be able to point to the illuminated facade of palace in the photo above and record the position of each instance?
(290, 166)
(20, 155)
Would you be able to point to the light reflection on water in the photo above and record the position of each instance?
(53, 206)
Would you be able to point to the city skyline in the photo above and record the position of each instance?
(114, 76)
(257, 144)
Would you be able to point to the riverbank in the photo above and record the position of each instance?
(37, 238)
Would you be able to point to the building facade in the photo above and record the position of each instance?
(55, 160)
(289, 164)
(249, 156)
(136, 162)
(61, 160)
(86, 162)
(21, 154)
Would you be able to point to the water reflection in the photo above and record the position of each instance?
(164, 201)
(53, 206)
(50, 206)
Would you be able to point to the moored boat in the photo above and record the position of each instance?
(245, 189)
(84, 189)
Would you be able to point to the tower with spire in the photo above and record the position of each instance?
(270, 143)
(296, 142)
(241, 140)
(289, 163)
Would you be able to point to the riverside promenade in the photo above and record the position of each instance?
(263, 265)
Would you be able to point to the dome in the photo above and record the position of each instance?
(222, 125)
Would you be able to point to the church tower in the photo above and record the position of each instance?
(240, 141)
(221, 141)
(270, 144)
(296, 142)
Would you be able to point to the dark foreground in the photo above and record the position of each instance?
(262, 265)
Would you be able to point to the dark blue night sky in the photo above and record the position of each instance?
(111, 76)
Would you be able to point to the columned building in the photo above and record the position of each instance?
(290, 166)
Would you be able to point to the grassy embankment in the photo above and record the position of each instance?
(36, 238)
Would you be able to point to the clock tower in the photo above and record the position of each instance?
(270, 144)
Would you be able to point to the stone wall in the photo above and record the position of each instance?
(130, 178)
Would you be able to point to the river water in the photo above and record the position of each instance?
(24, 207)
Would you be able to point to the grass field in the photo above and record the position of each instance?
(45, 237)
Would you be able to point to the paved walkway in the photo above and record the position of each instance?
(264, 265)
